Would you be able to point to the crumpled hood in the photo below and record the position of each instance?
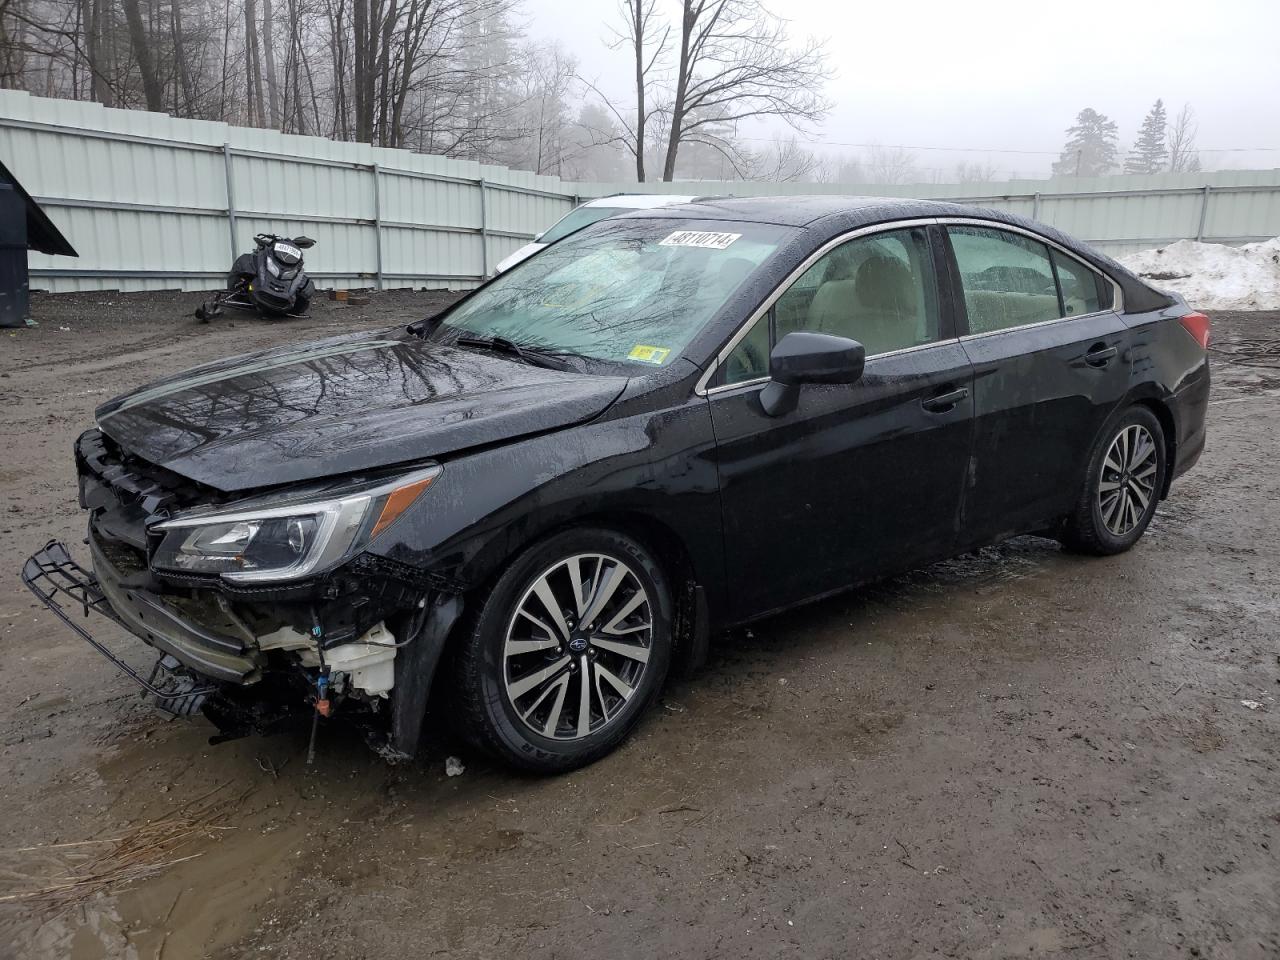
(343, 405)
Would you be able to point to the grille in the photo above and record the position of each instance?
(109, 477)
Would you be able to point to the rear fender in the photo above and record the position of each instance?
(1159, 401)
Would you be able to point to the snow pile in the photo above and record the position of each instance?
(1213, 276)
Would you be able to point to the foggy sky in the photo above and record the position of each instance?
(1005, 74)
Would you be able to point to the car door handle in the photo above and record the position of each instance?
(1100, 356)
(945, 401)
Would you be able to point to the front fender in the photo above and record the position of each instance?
(487, 506)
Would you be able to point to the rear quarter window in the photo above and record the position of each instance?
(1081, 291)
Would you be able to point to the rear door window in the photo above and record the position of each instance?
(1011, 280)
(1008, 278)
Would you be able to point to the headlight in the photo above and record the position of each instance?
(272, 267)
(285, 537)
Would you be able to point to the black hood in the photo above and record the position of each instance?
(343, 405)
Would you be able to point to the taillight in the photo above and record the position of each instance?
(1197, 324)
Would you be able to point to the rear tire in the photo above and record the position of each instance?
(549, 690)
(1125, 478)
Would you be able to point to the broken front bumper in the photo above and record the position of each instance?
(64, 586)
(202, 667)
(121, 596)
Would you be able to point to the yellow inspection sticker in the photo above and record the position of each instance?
(647, 354)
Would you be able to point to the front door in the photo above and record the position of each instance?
(858, 480)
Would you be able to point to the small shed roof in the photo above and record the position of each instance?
(42, 235)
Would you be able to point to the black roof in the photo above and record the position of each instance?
(42, 235)
(831, 215)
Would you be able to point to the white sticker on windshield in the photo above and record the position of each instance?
(699, 238)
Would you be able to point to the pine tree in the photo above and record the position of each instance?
(1091, 147)
(1149, 153)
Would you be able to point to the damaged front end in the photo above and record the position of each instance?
(261, 608)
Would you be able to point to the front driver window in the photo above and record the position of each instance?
(878, 290)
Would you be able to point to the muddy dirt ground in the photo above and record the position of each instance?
(1019, 753)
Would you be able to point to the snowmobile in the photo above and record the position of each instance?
(269, 281)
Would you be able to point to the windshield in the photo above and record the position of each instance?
(575, 220)
(624, 291)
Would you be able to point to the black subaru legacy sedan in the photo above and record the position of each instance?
(532, 507)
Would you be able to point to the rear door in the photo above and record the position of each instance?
(859, 479)
(1050, 364)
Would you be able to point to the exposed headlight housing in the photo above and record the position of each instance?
(285, 537)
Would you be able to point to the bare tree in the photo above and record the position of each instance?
(141, 44)
(735, 64)
(646, 54)
(336, 15)
(269, 66)
(545, 76)
(644, 35)
(92, 23)
(11, 59)
(1183, 157)
(976, 171)
(438, 76)
(783, 161)
(891, 165)
(253, 70)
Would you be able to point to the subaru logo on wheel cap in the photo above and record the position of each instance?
(578, 644)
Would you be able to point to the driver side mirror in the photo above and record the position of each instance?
(803, 357)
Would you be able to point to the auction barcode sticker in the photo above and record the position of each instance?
(699, 238)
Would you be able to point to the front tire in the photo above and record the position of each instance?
(1126, 475)
(568, 650)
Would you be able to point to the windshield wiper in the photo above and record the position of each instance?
(424, 328)
(536, 356)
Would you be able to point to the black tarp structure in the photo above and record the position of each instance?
(23, 226)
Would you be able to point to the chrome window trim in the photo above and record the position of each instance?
(702, 390)
(1117, 302)
(1027, 326)
(1117, 295)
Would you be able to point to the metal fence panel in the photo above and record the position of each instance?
(153, 202)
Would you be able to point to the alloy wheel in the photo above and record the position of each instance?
(1128, 481)
(577, 646)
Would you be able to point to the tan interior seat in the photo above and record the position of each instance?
(832, 308)
(998, 309)
(888, 300)
(879, 307)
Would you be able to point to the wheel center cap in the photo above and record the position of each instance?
(578, 644)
